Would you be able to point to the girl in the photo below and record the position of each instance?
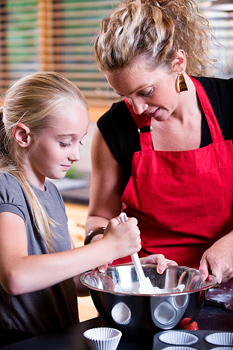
(43, 121)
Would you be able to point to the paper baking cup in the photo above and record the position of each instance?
(180, 348)
(102, 338)
(221, 338)
(121, 314)
(178, 338)
(222, 348)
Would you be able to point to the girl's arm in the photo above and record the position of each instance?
(20, 273)
(81, 290)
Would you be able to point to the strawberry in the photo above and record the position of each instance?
(184, 322)
(192, 326)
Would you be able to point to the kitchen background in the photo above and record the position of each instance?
(58, 35)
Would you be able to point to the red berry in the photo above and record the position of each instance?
(184, 322)
(192, 326)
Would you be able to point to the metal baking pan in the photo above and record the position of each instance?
(221, 295)
(192, 340)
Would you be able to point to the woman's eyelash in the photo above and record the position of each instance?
(63, 144)
(80, 142)
(148, 93)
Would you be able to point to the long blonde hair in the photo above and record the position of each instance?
(31, 101)
(157, 30)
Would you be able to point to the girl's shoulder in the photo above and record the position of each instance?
(12, 195)
(9, 183)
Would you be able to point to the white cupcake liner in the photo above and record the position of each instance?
(222, 348)
(165, 313)
(121, 314)
(220, 338)
(103, 338)
(180, 348)
(178, 338)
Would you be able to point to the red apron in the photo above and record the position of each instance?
(183, 200)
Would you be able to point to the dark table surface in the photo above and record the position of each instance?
(71, 338)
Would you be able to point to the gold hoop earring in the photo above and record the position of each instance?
(182, 86)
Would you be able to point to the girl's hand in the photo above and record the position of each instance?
(160, 260)
(124, 238)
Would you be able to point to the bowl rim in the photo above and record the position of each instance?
(206, 285)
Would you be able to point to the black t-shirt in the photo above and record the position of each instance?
(121, 133)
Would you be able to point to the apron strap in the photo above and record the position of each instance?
(214, 127)
(146, 138)
(144, 127)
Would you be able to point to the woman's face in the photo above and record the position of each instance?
(151, 92)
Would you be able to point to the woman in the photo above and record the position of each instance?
(165, 152)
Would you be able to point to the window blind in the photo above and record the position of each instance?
(75, 25)
(222, 26)
(59, 35)
(18, 40)
(54, 35)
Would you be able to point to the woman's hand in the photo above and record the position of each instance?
(160, 260)
(218, 260)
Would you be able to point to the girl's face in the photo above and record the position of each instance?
(151, 92)
(54, 149)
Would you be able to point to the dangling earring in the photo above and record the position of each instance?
(181, 84)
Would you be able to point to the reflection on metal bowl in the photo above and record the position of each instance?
(116, 297)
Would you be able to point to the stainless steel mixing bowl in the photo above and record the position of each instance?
(116, 297)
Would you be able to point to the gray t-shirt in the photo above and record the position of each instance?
(51, 308)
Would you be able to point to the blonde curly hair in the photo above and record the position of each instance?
(157, 30)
